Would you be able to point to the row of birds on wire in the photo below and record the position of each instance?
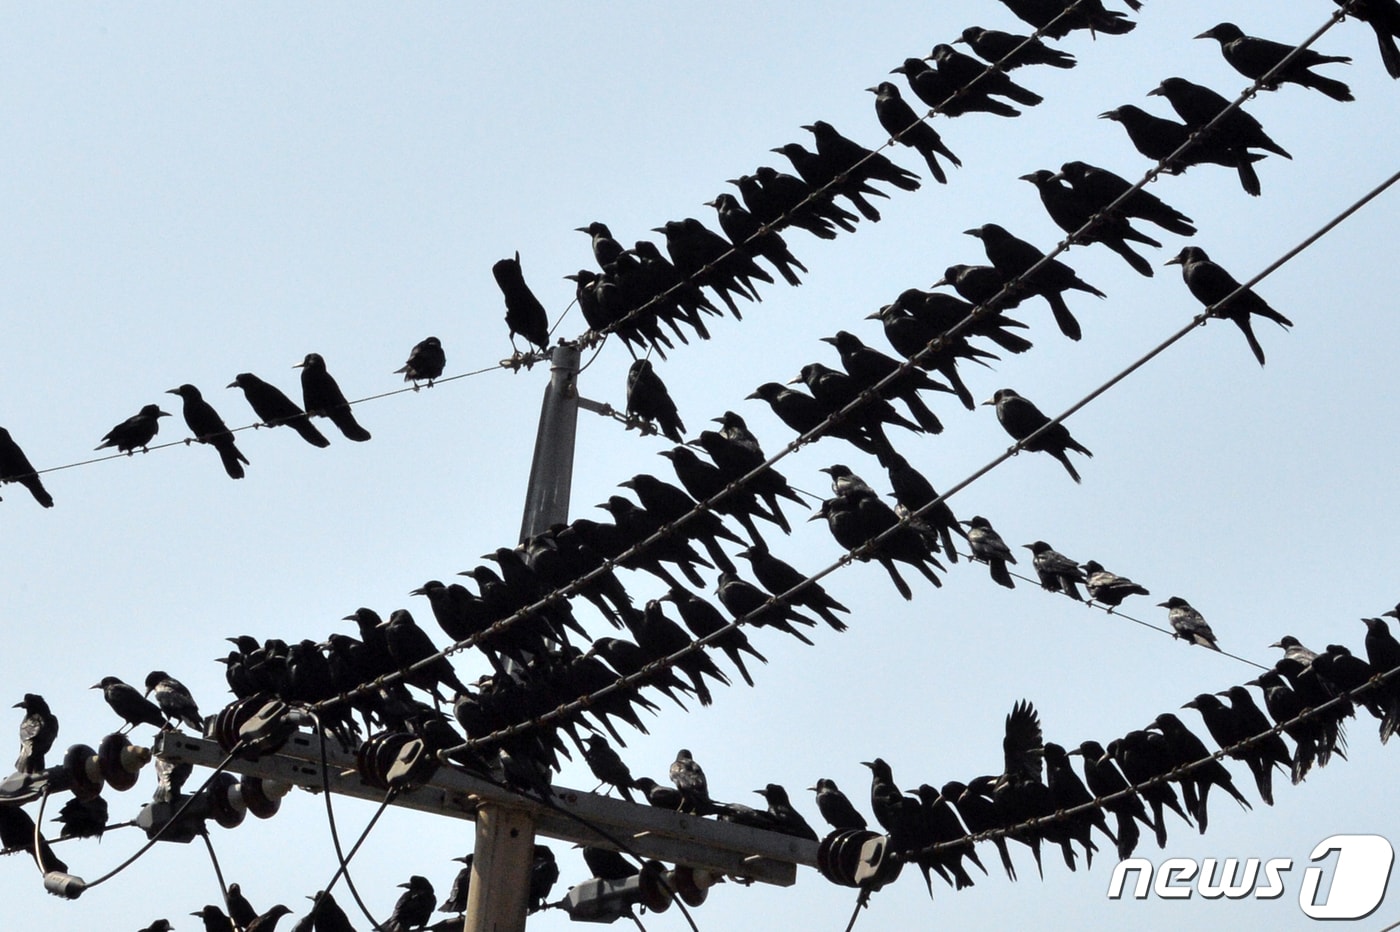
(932, 826)
(631, 279)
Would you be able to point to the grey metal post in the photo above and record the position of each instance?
(505, 835)
(551, 473)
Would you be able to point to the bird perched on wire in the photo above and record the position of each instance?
(1171, 143)
(1013, 258)
(788, 819)
(15, 467)
(206, 425)
(525, 314)
(133, 708)
(37, 732)
(1057, 572)
(1254, 57)
(608, 766)
(648, 400)
(1108, 588)
(1188, 624)
(1058, 18)
(174, 699)
(425, 362)
(1012, 51)
(689, 778)
(1383, 16)
(988, 547)
(322, 397)
(905, 126)
(274, 408)
(1021, 418)
(748, 236)
(136, 431)
(1211, 285)
(1101, 187)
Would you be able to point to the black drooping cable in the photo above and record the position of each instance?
(341, 857)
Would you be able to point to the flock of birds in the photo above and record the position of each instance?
(536, 667)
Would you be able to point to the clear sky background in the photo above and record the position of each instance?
(193, 192)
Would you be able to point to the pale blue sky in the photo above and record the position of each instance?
(193, 192)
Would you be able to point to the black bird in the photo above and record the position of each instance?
(525, 314)
(1068, 791)
(667, 504)
(736, 451)
(782, 200)
(239, 909)
(835, 807)
(748, 236)
(160, 925)
(425, 362)
(648, 399)
(1186, 748)
(942, 826)
(607, 864)
(274, 408)
(327, 914)
(1012, 51)
(407, 645)
(136, 431)
(703, 481)
(898, 814)
(659, 637)
(607, 765)
(914, 493)
(1198, 105)
(988, 547)
(964, 69)
(1383, 16)
(1073, 212)
(214, 919)
(742, 598)
(917, 324)
(544, 874)
(630, 659)
(824, 175)
(1188, 624)
(17, 831)
(778, 576)
(869, 366)
(834, 391)
(1108, 588)
(606, 248)
(1254, 57)
(267, 922)
(37, 732)
(693, 247)
(1020, 418)
(978, 813)
(1294, 649)
(456, 901)
(854, 521)
(803, 413)
(845, 156)
(1058, 18)
(1019, 793)
(788, 819)
(938, 91)
(1231, 724)
(1013, 257)
(323, 398)
(1210, 284)
(703, 620)
(661, 797)
(132, 707)
(1162, 140)
(1101, 187)
(905, 126)
(689, 778)
(206, 425)
(174, 699)
(1057, 572)
(1143, 755)
(980, 285)
(1102, 777)
(415, 907)
(1383, 653)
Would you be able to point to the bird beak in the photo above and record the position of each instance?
(95, 686)
(1108, 115)
(1075, 753)
(940, 283)
(990, 401)
(299, 365)
(231, 385)
(809, 128)
(172, 391)
(580, 229)
(658, 229)
(976, 233)
(1174, 260)
(873, 90)
(419, 591)
(1208, 34)
(17, 705)
(795, 381)
(1156, 92)
(711, 203)
(1030, 177)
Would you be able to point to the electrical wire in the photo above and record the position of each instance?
(25, 849)
(218, 872)
(344, 861)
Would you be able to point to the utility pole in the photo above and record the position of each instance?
(505, 833)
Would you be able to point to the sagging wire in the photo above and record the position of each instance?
(218, 872)
(25, 849)
(341, 857)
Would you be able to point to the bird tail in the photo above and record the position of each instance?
(343, 418)
(1139, 264)
(1068, 325)
(926, 150)
(898, 580)
(923, 414)
(1022, 95)
(232, 457)
(36, 488)
(1250, 338)
(1249, 179)
(303, 426)
(1333, 88)
(1390, 52)
(1000, 574)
